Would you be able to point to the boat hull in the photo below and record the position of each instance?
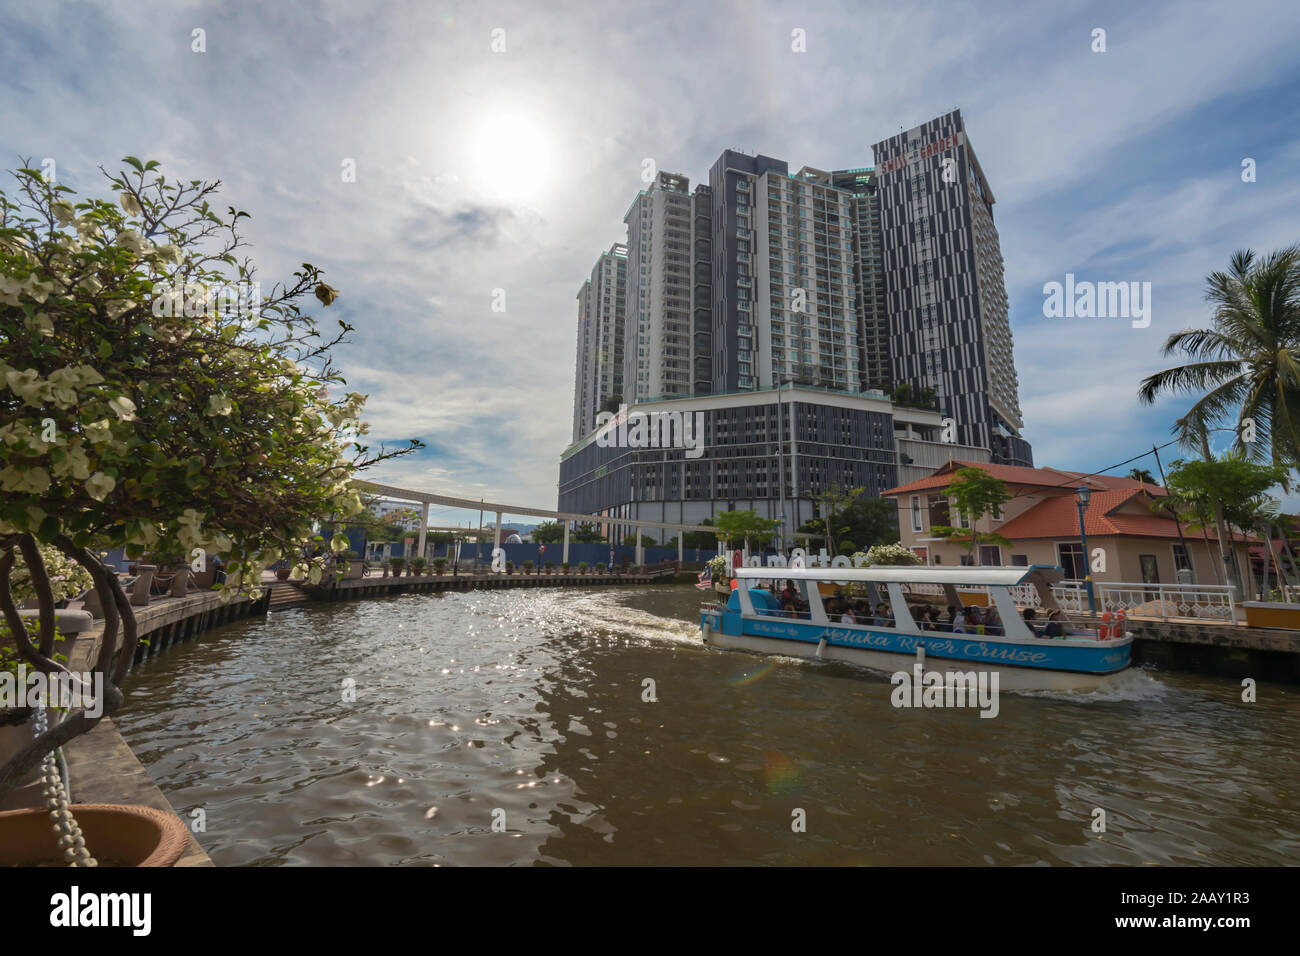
(1046, 664)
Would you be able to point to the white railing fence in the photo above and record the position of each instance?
(1211, 602)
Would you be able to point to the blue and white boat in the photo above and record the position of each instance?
(753, 620)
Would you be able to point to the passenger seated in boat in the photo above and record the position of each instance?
(1028, 615)
(959, 621)
(883, 618)
(992, 622)
(846, 617)
(974, 620)
(1054, 628)
(790, 600)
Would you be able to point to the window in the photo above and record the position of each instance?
(1182, 560)
(990, 555)
(1020, 560)
(916, 513)
(1070, 557)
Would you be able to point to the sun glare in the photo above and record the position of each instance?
(510, 155)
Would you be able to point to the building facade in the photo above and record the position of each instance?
(668, 338)
(772, 451)
(950, 327)
(875, 368)
(602, 306)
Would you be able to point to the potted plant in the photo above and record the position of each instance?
(282, 574)
(510, 567)
(418, 565)
(439, 566)
(582, 567)
(528, 567)
(565, 566)
(550, 567)
(399, 566)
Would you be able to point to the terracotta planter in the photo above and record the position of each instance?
(116, 835)
(282, 574)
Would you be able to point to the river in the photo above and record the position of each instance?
(512, 727)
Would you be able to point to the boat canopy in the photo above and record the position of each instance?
(914, 574)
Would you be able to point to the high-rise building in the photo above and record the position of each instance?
(875, 369)
(666, 355)
(783, 286)
(949, 324)
(785, 310)
(601, 316)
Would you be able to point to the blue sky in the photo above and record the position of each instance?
(481, 170)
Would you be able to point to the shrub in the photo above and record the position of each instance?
(886, 554)
(528, 567)
(582, 567)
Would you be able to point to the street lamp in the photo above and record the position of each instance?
(1084, 494)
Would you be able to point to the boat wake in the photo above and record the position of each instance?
(1133, 684)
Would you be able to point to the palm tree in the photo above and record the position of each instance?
(1142, 475)
(1249, 362)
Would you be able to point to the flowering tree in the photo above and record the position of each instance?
(153, 398)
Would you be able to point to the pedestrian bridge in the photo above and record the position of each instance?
(425, 498)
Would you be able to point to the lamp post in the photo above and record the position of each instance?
(1084, 494)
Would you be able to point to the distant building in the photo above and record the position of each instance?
(602, 306)
(402, 515)
(1041, 520)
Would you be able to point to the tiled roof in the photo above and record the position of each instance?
(1058, 517)
(1018, 475)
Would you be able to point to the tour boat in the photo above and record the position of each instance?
(752, 620)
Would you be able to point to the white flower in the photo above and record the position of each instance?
(133, 242)
(129, 202)
(34, 481)
(63, 212)
(115, 307)
(123, 407)
(99, 432)
(99, 485)
(169, 252)
(219, 405)
(28, 386)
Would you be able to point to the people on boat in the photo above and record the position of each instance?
(883, 618)
(1054, 627)
(992, 621)
(1028, 615)
(847, 616)
(974, 620)
(959, 620)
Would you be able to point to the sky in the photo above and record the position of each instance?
(498, 146)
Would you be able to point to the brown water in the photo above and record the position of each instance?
(529, 703)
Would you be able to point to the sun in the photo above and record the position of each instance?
(509, 156)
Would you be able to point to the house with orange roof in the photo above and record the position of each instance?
(1128, 535)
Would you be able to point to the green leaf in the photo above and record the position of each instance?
(133, 162)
